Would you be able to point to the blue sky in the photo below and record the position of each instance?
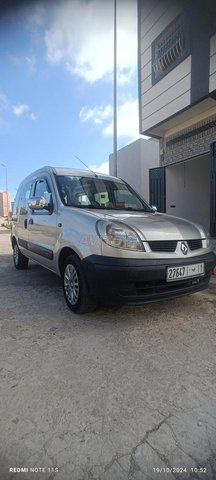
(56, 84)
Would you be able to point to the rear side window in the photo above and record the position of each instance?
(25, 196)
(16, 205)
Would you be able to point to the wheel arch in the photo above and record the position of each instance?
(65, 252)
(13, 241)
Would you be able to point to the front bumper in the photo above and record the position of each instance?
(119, 280)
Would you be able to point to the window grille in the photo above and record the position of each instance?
(170, 48)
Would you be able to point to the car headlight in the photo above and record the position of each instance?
(207, 238)
(119, 235)
(208, 241)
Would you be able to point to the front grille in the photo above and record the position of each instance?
(170, 245)
(163, 245)
(194, 244)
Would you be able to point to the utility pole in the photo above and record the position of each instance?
(115, 90)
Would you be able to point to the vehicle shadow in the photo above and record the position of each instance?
(37, 288)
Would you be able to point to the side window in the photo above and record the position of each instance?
(25, 196)
(42, 190)
(16, 205)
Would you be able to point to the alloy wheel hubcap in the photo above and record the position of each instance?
(71, 284)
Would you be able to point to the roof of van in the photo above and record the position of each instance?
(76, 172)
(70, 172)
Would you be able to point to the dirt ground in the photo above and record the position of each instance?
(119, 394)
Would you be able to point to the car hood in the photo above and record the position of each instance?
(156, 226)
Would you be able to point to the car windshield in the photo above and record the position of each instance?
(99, 193)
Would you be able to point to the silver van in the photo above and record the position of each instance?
(105, 241)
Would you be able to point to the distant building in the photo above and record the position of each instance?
(134, 162)
(4, 204)
(177, 103)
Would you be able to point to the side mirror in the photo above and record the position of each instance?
(40, 203)
(154, 208)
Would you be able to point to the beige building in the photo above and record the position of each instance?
(4, 204)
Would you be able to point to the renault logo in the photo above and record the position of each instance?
(184, 248)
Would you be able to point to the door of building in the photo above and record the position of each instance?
(157, 188)
(213, 190)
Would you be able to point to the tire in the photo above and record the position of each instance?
(75, 286)
(20, 261)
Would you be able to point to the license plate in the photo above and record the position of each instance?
(185, 271)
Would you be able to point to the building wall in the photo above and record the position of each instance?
(171, 93)
(189, 142)
(188, 190)
(212, 69)
(185, 81)
(177, 98)
(134, 161)
(4, 203)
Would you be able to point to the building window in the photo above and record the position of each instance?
(170, 48)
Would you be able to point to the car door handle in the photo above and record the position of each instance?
(31, 221)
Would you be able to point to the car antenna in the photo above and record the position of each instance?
(86, 166)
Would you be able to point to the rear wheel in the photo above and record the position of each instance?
(75, 286)
(20, 261)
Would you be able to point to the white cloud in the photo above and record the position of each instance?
(6, 108)
(19, 110)
(102, 168)
(127, 119)
(98, 114)
(32, 116)
(23, 109)
(81, 38)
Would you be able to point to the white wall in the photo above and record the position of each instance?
(188, 188)
(172, 93)
(134, 161)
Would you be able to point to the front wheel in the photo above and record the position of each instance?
(20, 261)
(75, 286)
